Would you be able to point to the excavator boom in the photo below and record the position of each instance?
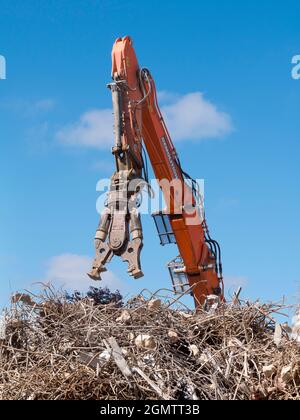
(138, 121)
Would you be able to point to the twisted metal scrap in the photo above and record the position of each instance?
(52, 349)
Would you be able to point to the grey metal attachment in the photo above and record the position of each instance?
(178, 275)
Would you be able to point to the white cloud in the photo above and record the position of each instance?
(235, 281)
(104, 166)
(165, 96)
(29, 109)
(69, 271)
(94, 129)
(44, 105)
(192, 117)
(38, 138)
(188, 117)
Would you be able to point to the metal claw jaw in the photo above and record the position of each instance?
(119, 233)
(132, 255)
(132, 250)
(103, 255)
(129, 253)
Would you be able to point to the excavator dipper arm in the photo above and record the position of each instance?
(137, 119)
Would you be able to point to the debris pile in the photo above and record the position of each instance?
(51, 348)
(296, 326)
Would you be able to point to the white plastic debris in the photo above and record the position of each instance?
(173, 336)
(269, 371)
(149, 360)
(203, 358)
(154, 304)
(185, 314)
(277, 334)
(131, 336)
(124, 317)
(2, 327)
(296, 327)
(194, 350)
(212, 303)
(105, 356)
(286, 373)
(124, 352)
(145, 341)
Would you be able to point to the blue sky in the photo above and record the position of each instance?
(234, 57)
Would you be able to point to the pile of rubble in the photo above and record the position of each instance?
(54, 348)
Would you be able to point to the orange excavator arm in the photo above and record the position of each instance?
(138, 120)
